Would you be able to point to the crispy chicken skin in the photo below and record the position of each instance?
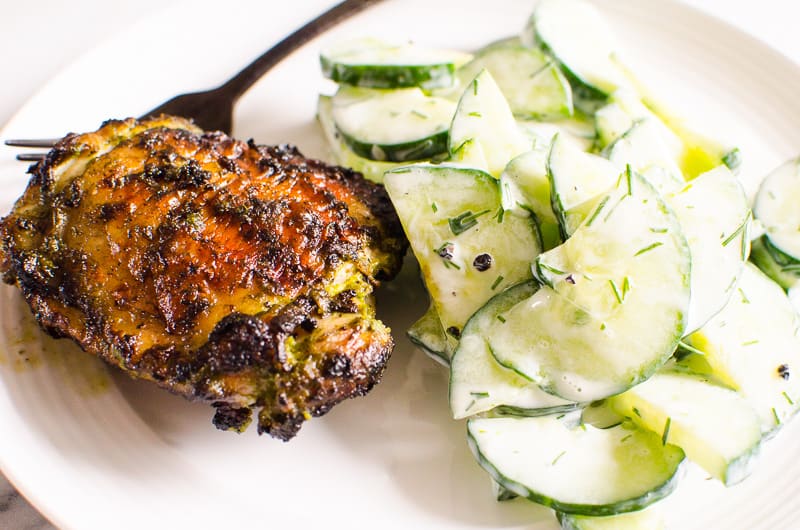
(232, 273)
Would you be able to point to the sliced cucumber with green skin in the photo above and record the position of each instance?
(478, 383)
(467, 248)
(715, 426)
(577, 36)
(576, 468)
(393, 125)
(501, 493)
(343, 155)
(428, 335)
(614, 302)
(651, 518)
(600, 415)
(778, 209)
(611, 122)
(578, 181)
(372, 63)
(698, 152)
(643, 148)
(787, 275)
(525, 188)
(715, 216)
(484, 121)
(628, 102)
(531, 82)
(753, 345)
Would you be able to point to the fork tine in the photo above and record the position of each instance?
(31, 157)
(38, 142)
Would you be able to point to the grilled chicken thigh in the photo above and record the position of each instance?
(227, 272)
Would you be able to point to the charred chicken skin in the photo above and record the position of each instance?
(232, 273)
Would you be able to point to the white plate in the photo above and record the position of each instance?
(93, 449)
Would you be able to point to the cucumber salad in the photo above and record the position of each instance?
(609, 303)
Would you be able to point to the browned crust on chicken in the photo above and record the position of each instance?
(228, 272)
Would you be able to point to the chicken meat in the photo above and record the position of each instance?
(232, 273)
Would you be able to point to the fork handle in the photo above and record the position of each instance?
(251, 73)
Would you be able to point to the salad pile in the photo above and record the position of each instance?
(588, 260)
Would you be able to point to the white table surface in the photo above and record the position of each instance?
(38, 38)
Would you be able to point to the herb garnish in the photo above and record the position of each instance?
(648, 248)
(737, 231)
(665, 435)
(597, 211)
(497, 282)
(556, 458)
(464, 221)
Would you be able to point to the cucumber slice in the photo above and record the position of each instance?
(614, 303)
(651, 518)
(468, 250)
(787, 275)
(576, 469)
(715, 217)
(372, 63)
(393, 125)
(611, 122)
(715, 426)
(643, 148)
(578, 181)
(428, 335)
(577, 36)
(777, 207)
(525, 188)
(601, 416)
(484, 121)
(532, 83)
(753, 346)
(501, 493)
(628, 102)
(697, 152)
(342, 154)
(478, 383)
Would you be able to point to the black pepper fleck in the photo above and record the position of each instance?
(570, 279)
(446, 251)
(783, 371)
(454, 332)
(482, 262)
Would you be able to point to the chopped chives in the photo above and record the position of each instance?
(557, 458)
(548, 268)
(420, 114)
(788, 398)
(475, 114)
(648, 248)
(616, 291)
(775, 414)
(464, 221)
(665, 435)
(479, 394)
(434, 207)
(745, 300)
(597, 210)
(659, 230)
(737, 231)
(628, 174)
(501, 318)
(497, 282)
